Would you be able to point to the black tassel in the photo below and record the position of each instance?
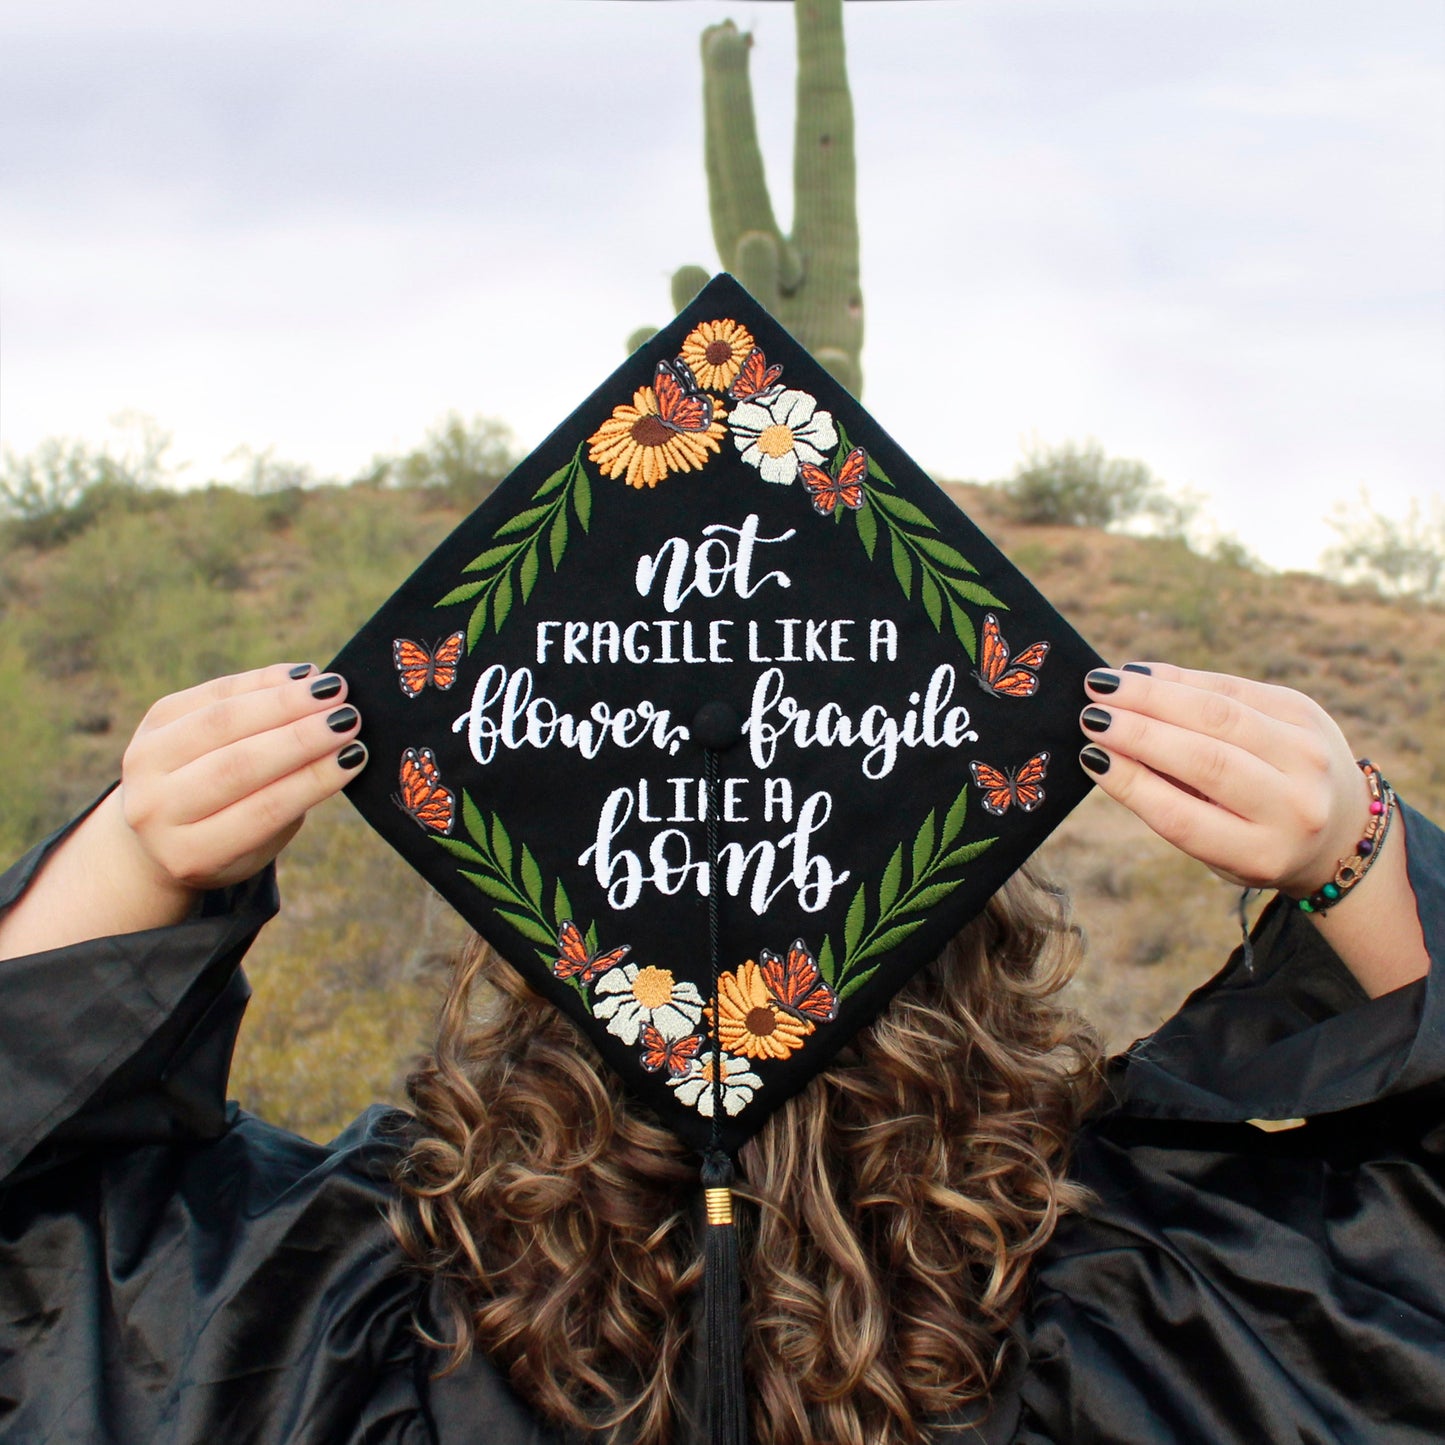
(727, 1406)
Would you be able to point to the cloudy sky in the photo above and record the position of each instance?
(1209, 234)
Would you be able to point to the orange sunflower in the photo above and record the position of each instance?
(750, 1023)
(716, 350)
(636, 440)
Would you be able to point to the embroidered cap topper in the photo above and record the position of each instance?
(717, 718)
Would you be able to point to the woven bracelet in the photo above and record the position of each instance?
(1352, 869)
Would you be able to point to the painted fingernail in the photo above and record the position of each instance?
(1096, 719)
(300, 670)
(351, 756)
(326, 686)
(1099, 680)
(1138, 667)
(342, 720)
(1095, 759)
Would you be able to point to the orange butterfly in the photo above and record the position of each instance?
(422, 796)
(1001, 677)
(1002, 786)
(681, 406)
(575, 960)
(755, 378)
(796, 986)
(674, 1055)
(416, 665)
(846, 489)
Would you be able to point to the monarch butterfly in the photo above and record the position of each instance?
(576, 960)
(674, 1055)
(1003, 786)
(423, 798)
(796, 986)
(1000, 677)
(681, 406)
(756, 377)
(846, 488)
(417, 665)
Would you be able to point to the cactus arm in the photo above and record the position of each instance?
(825, 214)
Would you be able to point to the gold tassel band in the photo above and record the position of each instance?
(719, 1205)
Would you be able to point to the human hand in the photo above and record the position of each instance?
(219, 778)
(1255, 781)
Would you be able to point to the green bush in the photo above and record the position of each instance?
(461, 461)
(1398, 557)
(1078, 486)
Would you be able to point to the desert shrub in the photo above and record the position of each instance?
(1077, 485)
(460, 461)
(1399, 557)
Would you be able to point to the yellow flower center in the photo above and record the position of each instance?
(652, 987)
(708, 1071)
(776, 440)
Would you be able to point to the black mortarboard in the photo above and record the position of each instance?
(718, 719)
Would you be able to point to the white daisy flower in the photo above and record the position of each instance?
(629, 996)
(695, 1088)
(776, 433)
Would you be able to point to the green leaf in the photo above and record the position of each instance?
(826, 966)
(953, 820)
(940, 551)
(976, 593)
(844, 445)
(501, 844)
(529, 569)
(490, 558)
(874, 470)
(905, 511)
(462, 850)
(967, 853)
(923, 847)
(552, 482)
(558, 539)
(478, 623)
(892, 877)
(521, 521)
(528, 927)
(561, 904)
(582, 497)
(854, 984)
(464, 593)
(853, 924)
(472, 818)
(592, 936)
(902, 564)
(932, 599)
(492, 887)
(867, 528)
(501, 601)
(964, 629)
(531, 877)
(896, 934)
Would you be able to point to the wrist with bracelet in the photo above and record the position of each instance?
(1351, 870)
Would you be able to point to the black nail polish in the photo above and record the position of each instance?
(1100, 681)
(1138, 667)
(300, 670)
(327, 686)
(342, 719)
(1096, 719)
(351, 756)
(1095, 759)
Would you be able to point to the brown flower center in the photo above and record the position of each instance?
(719, 353)
(652, 987)
(760, 1022)
(650, 431)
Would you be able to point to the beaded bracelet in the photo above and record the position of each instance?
(1352, 869)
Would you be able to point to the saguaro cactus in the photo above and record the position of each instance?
(808, 280)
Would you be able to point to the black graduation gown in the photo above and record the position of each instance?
(173, 1269)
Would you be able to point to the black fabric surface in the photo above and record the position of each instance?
(173, 1270)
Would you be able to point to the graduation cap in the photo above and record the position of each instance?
(717, 719)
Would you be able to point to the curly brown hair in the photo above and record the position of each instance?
(899, 1199)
